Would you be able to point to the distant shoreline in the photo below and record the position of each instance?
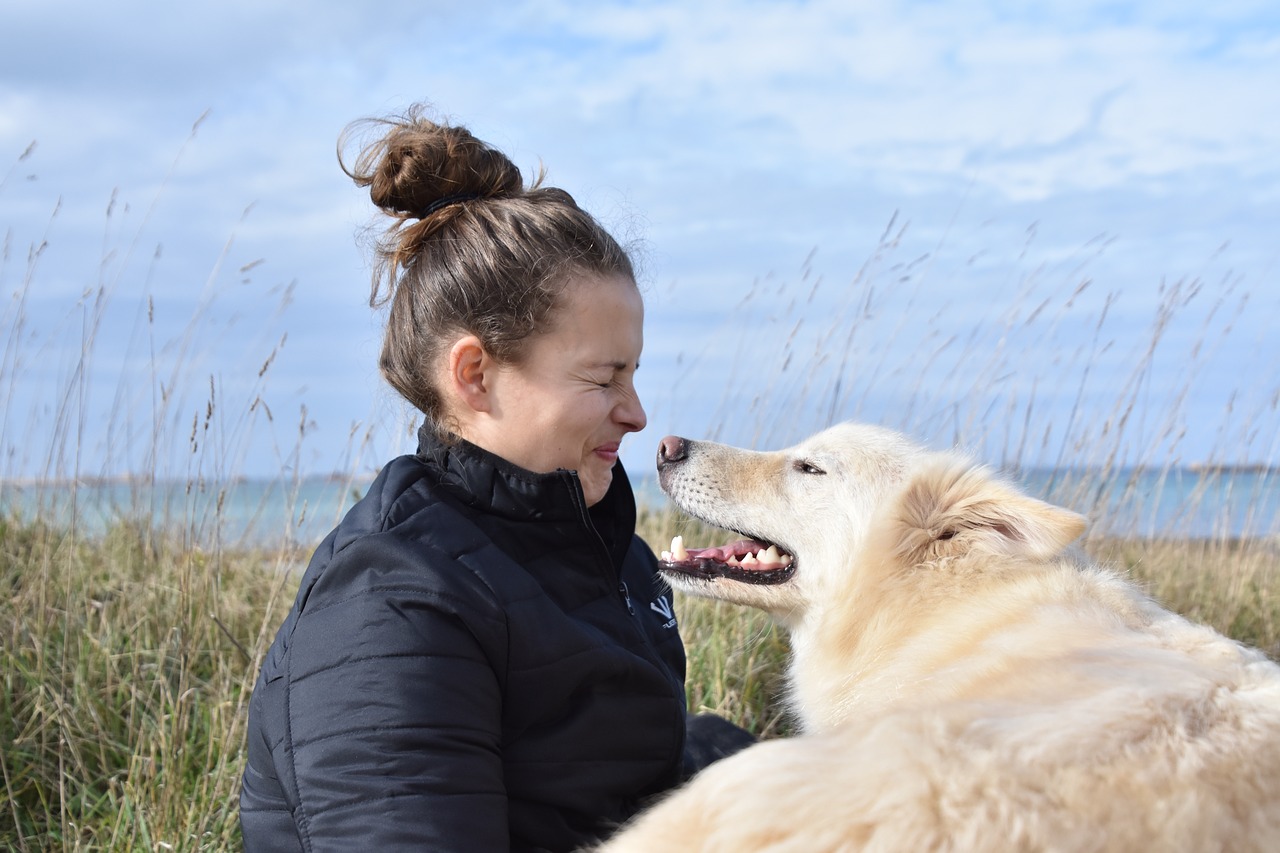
(1198, 468)
(143, 480)
(1230, 468)
(1230, 501)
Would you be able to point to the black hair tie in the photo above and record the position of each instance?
(446, 201)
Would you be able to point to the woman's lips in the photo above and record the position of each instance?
(608, 452)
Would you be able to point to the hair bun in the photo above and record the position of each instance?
(419, 167)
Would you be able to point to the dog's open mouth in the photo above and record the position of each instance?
(746, 560)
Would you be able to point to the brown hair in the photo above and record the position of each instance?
(470, 250)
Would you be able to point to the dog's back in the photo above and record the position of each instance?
(1069, 728)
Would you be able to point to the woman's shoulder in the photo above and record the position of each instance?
(403, 534)
(390, 563)
(402, 487)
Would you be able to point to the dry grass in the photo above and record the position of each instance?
(1232, 585)
(736, 656)
(128, 654)
(127, 664)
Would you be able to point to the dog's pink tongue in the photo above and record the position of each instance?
(722, 553)
(735, 552)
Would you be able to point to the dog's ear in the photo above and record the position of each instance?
(952, 506)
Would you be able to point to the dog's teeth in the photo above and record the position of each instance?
(733, 561)
(750, 560)
(771, 555)
(678, 552)
(666, 556)
(786, 561)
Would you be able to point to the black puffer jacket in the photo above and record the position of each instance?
(476, 661)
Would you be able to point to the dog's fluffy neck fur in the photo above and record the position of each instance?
(904, 580)
(884, 650)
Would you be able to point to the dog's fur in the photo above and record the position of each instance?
(962, 681)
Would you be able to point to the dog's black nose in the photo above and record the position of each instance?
(671, 449)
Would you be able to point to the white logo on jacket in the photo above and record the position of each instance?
(662, 606)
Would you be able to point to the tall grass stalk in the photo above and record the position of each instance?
(127, 663)
(129, 647)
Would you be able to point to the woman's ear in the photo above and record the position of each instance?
(470, 373)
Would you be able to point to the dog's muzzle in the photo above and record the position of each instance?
(747, 560)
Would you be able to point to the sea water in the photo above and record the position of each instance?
(1142, 503)
(255, 512)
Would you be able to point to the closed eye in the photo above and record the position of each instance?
(618, 371)
(806, 467)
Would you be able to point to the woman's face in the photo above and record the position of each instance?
(572, 398)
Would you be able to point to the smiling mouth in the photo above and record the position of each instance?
(746, 560)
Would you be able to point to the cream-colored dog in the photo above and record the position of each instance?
(962, 682)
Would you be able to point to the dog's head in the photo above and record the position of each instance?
(852, 495)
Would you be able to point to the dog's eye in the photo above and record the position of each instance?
(807, 467)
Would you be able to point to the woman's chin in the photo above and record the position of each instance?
(595, 486)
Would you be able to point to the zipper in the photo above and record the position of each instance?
(650, 650)
(584, 517)
(597, 541)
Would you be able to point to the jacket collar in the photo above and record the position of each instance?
(490, 483)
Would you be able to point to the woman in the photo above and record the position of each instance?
(481, 655)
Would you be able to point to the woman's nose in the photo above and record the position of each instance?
(630, 413)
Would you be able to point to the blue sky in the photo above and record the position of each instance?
(1050, 234)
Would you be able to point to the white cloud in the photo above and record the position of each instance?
(947, 82)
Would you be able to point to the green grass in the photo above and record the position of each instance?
(128, 663)
(736, 656)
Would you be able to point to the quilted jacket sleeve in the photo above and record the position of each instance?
(394, 711)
